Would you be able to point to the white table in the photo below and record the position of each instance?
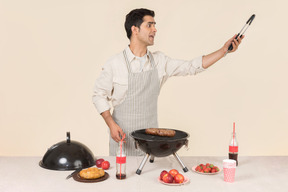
(19, 174)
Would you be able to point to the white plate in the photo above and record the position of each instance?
(186, 180)
(194, 169)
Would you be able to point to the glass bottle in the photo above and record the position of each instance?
(121, 161)
(233, 148)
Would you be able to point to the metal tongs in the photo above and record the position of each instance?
(74, 172)
(240, 34)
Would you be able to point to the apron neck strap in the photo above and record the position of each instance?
(127, 62)
(151, 60)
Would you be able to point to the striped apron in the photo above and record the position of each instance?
(139, 109)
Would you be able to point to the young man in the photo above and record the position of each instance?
(132, 79)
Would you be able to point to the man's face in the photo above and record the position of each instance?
(147, 31)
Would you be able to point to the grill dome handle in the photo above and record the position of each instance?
(68, 137)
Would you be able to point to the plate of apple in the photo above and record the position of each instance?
(172, 177)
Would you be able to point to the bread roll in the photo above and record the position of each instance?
(92, 173)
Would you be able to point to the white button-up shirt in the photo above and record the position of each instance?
(112, 84)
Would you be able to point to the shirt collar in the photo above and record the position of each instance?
(131, 56)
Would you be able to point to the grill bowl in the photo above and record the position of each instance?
(159, 146)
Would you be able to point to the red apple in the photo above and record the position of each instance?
(173, 172)
(162, 174)
(105, 165)
(179, 178)
(168, 178)
(99, 162)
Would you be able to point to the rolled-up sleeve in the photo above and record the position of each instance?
(103, 89)
(175, 67)
(168, 67)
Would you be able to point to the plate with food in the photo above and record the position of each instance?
(206, 169)
(172, 177)
(186, 180)
(91, 175)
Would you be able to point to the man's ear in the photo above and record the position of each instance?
(134, 29)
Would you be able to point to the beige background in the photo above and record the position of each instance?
(51, 52)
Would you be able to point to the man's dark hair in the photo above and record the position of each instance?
(135, 18)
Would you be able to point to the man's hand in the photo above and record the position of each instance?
(235, 43)
(115, 130)
(212, 58)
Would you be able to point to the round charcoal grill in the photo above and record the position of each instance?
(158, 146)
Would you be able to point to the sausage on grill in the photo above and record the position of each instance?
(160, 132)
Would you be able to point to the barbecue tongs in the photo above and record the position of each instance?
(240, 34)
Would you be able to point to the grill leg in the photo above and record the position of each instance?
(151, 159)
(185, 169)
(139, 170)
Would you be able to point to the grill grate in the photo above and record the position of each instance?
(141, 135)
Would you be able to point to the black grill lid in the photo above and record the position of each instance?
(68, 155)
